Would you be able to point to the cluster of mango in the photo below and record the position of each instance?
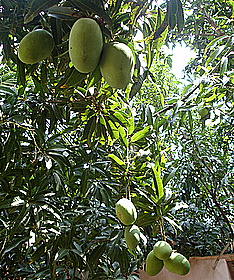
(162, 255)
(86, 51)
(127, 214)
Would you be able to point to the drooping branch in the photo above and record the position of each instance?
(171, 106)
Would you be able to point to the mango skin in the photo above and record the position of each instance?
(35, 46)
(153, 265)
(117, 65)
(162, 250)
(178, 264)
(126, 211)
(132, 236)
(85, 44)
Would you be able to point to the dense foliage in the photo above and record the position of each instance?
(71, 146)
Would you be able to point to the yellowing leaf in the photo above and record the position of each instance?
(140, 134)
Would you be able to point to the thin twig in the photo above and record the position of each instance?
(218, 258)
(174, 104)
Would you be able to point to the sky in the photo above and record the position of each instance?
(181, 55)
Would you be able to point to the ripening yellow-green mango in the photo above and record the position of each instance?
(177, 263)
(35, 46)
(132, 236)
(153, 265)
(126, 211)
(117, 64)
(85, 44)
(162, 250)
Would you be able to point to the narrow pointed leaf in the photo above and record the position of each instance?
(14, 244)
(223, 66)
(86, 5)
(123, 135)
(140, 134)
(90, 128)
(63, 13)
(116, 159)
(19, 219)
(173, 223)
(213, 55)
(158, 184)
(38, 6)
(180, 16)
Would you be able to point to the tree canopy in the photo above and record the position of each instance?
(71, 145)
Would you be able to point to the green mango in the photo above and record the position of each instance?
(153, 265)
(117, 64)
(204, 113)
(85, 44)
(177, 263)
(35, 46)
(162, 250)
(132, 236)
(126, 211)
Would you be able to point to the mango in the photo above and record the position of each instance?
(35, 46)
(204, 113)
(162, 250)
(117, 64)
(85, 44)
(126, 211)
(177, 263)
(132, 236)
(153, 265)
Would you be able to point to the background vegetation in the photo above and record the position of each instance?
(71, 146)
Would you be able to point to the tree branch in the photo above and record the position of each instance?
(211, 22)
(174, 104)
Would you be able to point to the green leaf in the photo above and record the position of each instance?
(223, 66)
(168, 177)
(71, 78)
(36, 7)
(61, 254)
(15, 244)
(157, 181)
(215, 41)
(63, 13)
(96, 254)
(145, 219)
(140, 134)
(19, 219)
(131, 127)
(173, 223)
(159, 42)
(120, 118)
(123, 135)
(116, 159)
(84, 181)
(114, 129)
(180, 16)
(172, 9)
(87, 5)
(39, 252)
(90, 128)
(138, 84)
(213, 55)
(21, 73)
(94, 77)
(123, 260)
